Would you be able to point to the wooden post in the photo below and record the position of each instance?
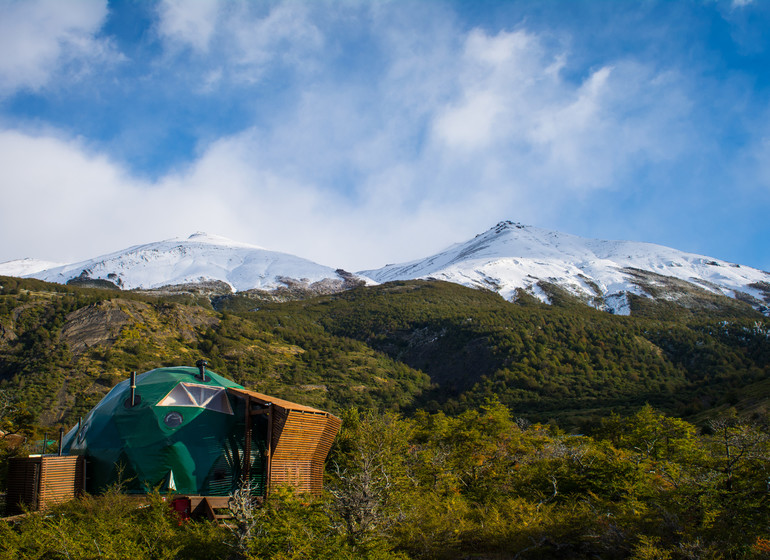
(247, 444)
(269, 447)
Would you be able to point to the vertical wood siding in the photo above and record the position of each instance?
(39, 482)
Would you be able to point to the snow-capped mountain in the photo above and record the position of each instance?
(507, 258)
(198, 259)
(512, 256)
(25, 267)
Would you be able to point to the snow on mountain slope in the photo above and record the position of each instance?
(25, 267)
(511, 256)
(506, 258)
(198, 258)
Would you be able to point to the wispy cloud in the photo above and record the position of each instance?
(40, 37)
(241, 40)
(188, 23)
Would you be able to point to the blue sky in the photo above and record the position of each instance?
(363, 133)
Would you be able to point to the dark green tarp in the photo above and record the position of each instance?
(184, 434)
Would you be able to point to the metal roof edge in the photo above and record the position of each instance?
(288, 405)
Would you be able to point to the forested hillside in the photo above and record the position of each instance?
(62, 349)
(400, 346)
(564, 362)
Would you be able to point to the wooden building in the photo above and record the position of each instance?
(298, 439)
(39, 481)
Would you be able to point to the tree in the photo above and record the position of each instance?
(368, 475)
(738, 443)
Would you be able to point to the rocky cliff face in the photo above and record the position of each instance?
(104, 323)
(74, 366)
(98, 324)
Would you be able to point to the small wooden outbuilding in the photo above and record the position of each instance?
(40, 481)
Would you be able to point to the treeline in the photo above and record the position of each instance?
(482, 485)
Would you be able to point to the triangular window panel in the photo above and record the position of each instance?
(220, 403)
(171, 483)
(203, 396)
(178, 396)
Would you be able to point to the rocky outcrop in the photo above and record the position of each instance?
(101, 324)
(98, 324)
(204, 288)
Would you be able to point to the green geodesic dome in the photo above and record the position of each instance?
(184, 434)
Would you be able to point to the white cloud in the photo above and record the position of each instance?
(38, 37)
(514, 109)
(473, 123)
(447, 134)
(241, 38)
(74, 195)
(287, 31)
(81, 204)
(190, 23)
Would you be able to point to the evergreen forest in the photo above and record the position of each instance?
(473, 427)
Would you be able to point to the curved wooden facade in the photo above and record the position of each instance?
(298, 440)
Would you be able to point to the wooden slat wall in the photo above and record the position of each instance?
(331, 429)
(301, 437)
(40, 482)
(23, 484)
(279, 421)
(61, 479)
(300, 448)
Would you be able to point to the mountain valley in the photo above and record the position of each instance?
(552, 325)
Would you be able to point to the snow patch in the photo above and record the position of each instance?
(25, 267)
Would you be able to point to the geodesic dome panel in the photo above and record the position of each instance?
(179, 429)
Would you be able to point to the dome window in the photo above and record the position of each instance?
(203, 396)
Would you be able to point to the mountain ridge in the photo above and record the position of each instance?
(510, 258)
(200, 259)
